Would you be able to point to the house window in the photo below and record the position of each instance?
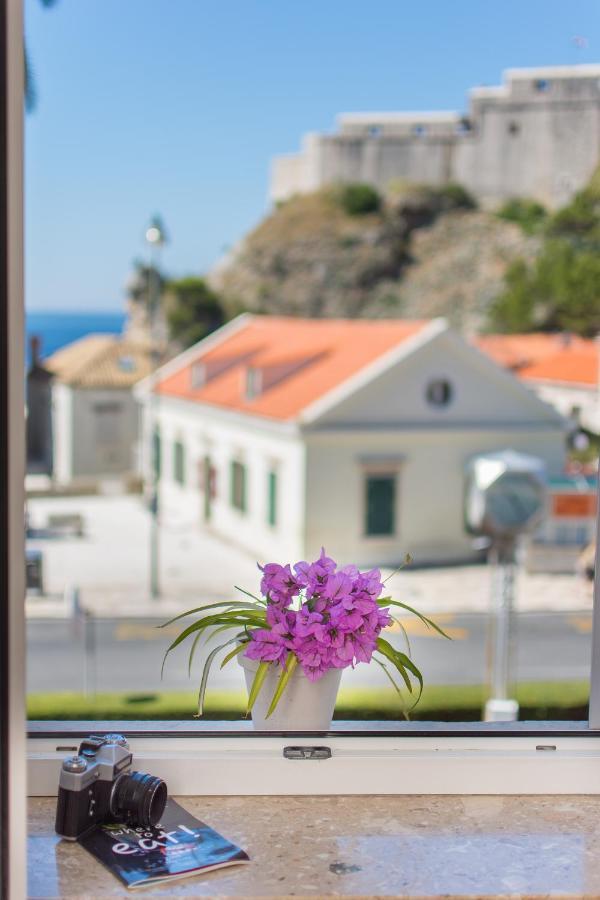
(179, 462)
(542, 85)
(513, 128)
(238, 485)
(439, 392)
(380, 505)
(156, 453)
(108, 423)
(420, 130)
(272, 498)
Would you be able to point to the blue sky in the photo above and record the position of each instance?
(177, 106)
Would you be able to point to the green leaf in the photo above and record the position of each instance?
(394, 685)
(206, 670)
(234, 618)
(230, 604)
(260, 600)
(391, 654)
(192, 651)
(259, 678)
(407, 562)
(288, 670)
(387, 601)
(233, 653)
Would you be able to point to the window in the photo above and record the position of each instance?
(108, 423)
(439, 392)
(542, 85)
(156, 453)
(513, 128)
(380, 505)
(166, 540)
(179, 462)
(238, 485)
(272, 498)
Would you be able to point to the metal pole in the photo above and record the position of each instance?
(500, 708)
(153, 301)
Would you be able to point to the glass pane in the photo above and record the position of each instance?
(392, 357)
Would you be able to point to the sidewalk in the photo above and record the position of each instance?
(110, 567)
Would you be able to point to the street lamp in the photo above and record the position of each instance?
(155, 238)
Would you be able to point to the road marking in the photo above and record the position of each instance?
(137, 631)
(417, 628)
(582, 624)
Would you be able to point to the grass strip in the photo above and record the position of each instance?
(537, 700)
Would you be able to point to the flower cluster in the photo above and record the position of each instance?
(328, 617)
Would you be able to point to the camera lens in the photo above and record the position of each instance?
(138, 798)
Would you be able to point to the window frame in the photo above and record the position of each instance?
(179, 462)
(461, 760)
(272, 496)
(239, 466)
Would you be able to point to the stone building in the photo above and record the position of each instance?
(536, 135)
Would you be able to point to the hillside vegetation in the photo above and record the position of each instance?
(422, 252)
(349, 252)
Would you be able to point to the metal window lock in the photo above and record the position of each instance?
(307, 752)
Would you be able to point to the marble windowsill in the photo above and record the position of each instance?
(393, 846)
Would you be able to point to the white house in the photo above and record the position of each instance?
(95, 417)
(562, 369)
(285, 434)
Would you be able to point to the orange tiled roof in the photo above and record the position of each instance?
(301, 361)
(548, 357)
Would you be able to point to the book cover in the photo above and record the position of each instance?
(178, 847)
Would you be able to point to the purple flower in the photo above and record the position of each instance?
(312, 576)
(267, 646)
(278, 584)
(336, 620)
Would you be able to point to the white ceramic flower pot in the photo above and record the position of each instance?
(304, 705)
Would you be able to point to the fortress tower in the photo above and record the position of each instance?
(537, 135)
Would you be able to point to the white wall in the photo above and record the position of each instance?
(226, 437)
(62, 432)
(482, 392)
(430, 481)
(565, 397)
(83, 445)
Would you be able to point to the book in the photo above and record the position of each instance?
(178, 847)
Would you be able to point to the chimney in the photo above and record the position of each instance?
(34, 350)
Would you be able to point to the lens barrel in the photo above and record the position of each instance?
(138, 798)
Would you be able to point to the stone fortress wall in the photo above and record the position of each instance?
(537, 135)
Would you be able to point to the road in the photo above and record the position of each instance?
(128, 654)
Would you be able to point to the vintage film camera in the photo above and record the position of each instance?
(98, 786)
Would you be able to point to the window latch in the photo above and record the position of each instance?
(307, 752)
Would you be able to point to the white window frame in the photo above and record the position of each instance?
(200, 759)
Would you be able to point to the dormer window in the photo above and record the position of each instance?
(198, 375)
(253, 383)
(126, 364)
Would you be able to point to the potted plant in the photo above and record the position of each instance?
(310, 622)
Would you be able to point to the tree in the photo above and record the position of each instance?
(193, 310)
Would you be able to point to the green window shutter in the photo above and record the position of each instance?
(179, 462)
(156, 453)
(272, 499)
(380, 511)
(238, 485)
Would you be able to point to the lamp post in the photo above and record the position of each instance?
(155, 237)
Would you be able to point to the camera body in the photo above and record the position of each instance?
(98, 785)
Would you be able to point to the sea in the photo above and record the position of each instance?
(56, 329)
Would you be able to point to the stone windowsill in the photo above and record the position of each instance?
(400, 846)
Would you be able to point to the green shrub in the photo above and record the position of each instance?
(455, 196)
(529, 214)
(359, 199)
